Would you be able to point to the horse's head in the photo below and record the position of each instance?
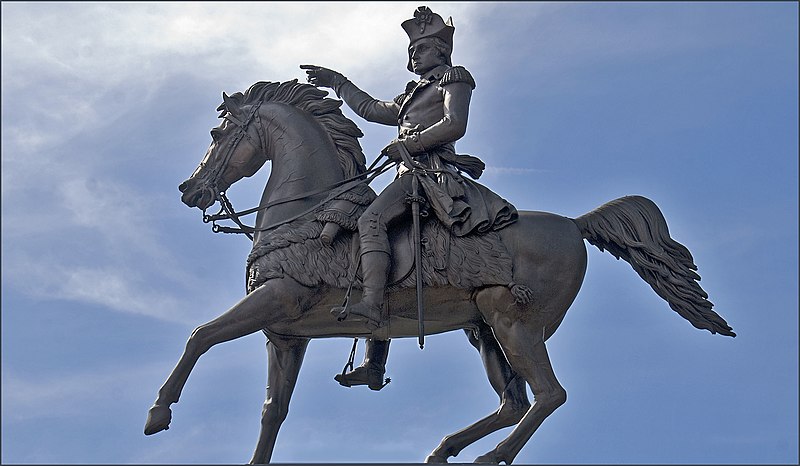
(296, 124)
(237, 150)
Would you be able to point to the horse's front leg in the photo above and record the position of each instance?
(268, 303)
(285, 359)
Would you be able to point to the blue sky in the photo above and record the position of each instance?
(106, 108)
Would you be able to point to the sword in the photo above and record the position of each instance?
(415, 200)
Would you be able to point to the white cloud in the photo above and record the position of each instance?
(109, 44)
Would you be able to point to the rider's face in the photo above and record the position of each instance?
(424, 56)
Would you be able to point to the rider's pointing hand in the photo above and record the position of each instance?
(323, 77)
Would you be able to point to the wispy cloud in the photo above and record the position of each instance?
(87, 243)
(499, 171)
(62, 396)
(109, 286)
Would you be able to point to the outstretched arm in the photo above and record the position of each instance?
(368, 108)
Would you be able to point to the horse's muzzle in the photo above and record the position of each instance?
(196, 194)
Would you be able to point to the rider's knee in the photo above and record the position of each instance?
(370, 224)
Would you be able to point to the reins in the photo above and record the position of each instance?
(228, 213)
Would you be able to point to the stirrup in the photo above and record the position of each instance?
(340, 312)
(372, 374)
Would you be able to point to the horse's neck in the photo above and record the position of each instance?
(304, 159)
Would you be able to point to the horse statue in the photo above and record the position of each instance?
(294, 278)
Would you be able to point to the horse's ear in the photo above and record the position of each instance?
(224, 105)
(230, 105)
(227, 103)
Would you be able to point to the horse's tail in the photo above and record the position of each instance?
(633, 228)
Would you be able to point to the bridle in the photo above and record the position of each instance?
(226, 208)
(227, 211)
(237, 138)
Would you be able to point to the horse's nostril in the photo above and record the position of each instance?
(182, 187)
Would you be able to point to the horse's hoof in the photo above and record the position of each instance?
(158, 419)
(435, 459)
(489, 458)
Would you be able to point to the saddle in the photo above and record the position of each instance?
(297, 250)
(435, 243)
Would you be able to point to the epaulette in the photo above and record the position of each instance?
(457, 74)
(409, 87)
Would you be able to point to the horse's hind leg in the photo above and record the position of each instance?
(285, 359)
(509, 387)
(522, 335)
(254, 312)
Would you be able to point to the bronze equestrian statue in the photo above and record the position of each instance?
(507, 278)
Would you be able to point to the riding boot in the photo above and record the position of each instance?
(371, 371)
(375, 269)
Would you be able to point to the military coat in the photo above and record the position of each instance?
(431, 115)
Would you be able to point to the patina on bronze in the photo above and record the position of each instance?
(311, 228)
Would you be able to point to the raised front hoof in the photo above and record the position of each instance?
(158, 419)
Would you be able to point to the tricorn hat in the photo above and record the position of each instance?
(426, 23)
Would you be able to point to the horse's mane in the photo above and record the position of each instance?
(326, 111)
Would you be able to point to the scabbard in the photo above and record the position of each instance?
(417, 239)
(418, 257)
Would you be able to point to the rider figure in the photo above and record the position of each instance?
(431, 115)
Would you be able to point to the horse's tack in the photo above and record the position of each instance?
(334, 189)
(242, 130)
